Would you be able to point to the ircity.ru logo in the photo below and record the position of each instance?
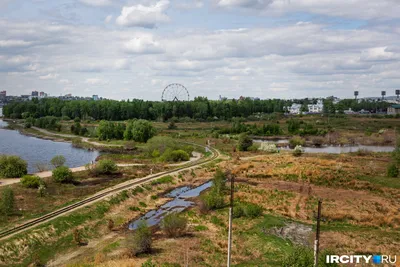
(375, 259)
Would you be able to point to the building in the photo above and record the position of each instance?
(393, 110)
(316, 108)
(35, 93)
(295, 109)
(3, 96)
(95, 97)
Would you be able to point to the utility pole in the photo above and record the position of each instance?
(316, 242)
(230, 219)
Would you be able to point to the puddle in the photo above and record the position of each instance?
(178, 204)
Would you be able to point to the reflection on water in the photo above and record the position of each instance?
(178, 204)
(35, 150)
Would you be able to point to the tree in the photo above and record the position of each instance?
(392, 171)
(142, 130)
(174, 224)
(58, 161)
(7, 201)
(63, 175)
(219, 181)
(106, 167)
(142, 239)
(244, 142)
(12, 167)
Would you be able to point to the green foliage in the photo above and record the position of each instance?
(31, 181)
(174, 224)
(106, 167)
(141, 240)
(108, 130)
(296, 141)
(12, 166)
(298, 151)
(63, 175)
(7, 201)
(172, 126)
(58, 161)
(392, 171)
(248, 210)
(149, 263)
(159, 145)
(219, 182)
(163, 180)
(139, 131)
(76, 128)
(175, 155)
(244, 142)
(48, 122)
(213, 200)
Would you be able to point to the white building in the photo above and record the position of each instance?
(317, 108)
(295, 109)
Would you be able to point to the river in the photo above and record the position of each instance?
(35, 150)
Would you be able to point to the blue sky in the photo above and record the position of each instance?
(264, 48)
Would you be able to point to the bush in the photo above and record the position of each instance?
(175, 155)
(248, 210)
(12, 167)
(7, 201)
(213, 200)
(268, 147)
(31, 181)
(62, 174)
(298, 151)
(296, 141)
(58, 161)
(106, 167)
(219, 182)
(392, 171)
(174, 224)
(142, 239)
(244, 142)
(172, 126)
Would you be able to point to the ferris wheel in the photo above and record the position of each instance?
(175, 92)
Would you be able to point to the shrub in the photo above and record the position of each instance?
(304, 257)
(7, 201)
(219, 182)
(12, 167)
(268, 147)
(58, 161)
(248, 210)
(172, 126)
(163, 180)
(149, 263)
(142, 239)
(31, 181)
(175, 155)
(174, 224)
(296, 141)
(298, 151)
(106, 167)
(212, 200)
(244, 142)
(392, 171)
(318, 141)
(62, 175)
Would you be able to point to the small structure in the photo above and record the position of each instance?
(393, 110)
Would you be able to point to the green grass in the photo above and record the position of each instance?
(163, 180)
(110, 247)
(383, 181)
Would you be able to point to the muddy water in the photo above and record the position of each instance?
(178, 204)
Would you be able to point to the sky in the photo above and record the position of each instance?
(125, 49)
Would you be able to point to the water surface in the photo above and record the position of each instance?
(178, 204)
(35, 150)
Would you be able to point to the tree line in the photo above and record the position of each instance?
(199, 109)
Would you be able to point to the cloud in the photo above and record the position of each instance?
(378, 54)
(143, 44)
(50, 76)
(97, 3)
(360, 9)
(144, 16)
(96, 81)
(189, 4)
(108, 19)
(14, 43)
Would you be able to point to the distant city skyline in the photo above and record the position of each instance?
(124, 49)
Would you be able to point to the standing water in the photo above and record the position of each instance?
(178, 204)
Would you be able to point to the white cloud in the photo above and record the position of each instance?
(97, 3)
(143, 44)
(96, 81)
(50, 76)
(378, 54)
(108, 19)
(144, 16)
(122, 64)
(14, 43)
